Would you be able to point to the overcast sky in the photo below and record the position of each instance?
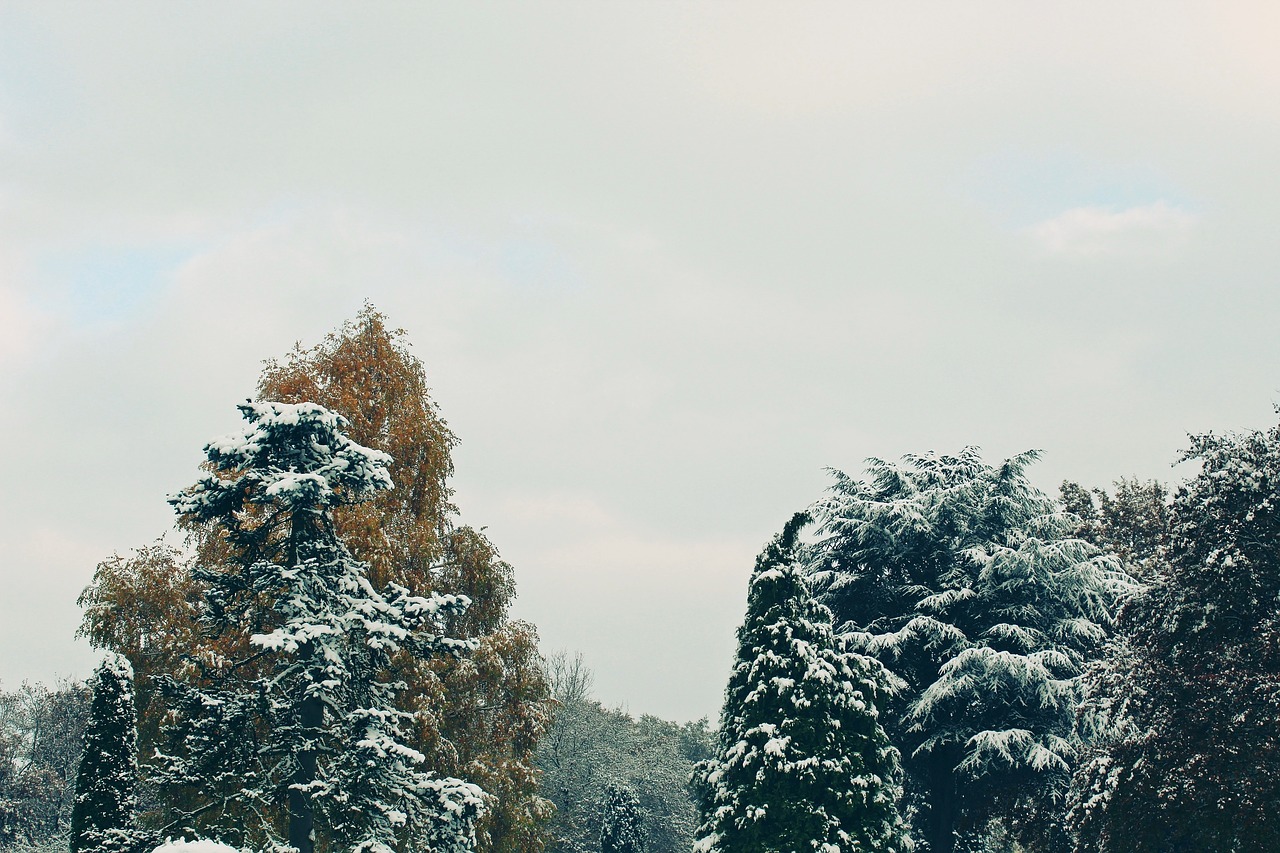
(664, 263)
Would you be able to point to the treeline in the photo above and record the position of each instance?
(936, 656)
(1097, 674)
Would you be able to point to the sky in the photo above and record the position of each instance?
(665, 265)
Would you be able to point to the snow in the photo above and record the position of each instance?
(202, 845)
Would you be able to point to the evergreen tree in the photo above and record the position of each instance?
(963, 580)
(105, 807)
(620, 829)
(304, 717)
(1184, 714)
(480, 716)
(803, 762)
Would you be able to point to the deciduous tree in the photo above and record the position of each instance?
(1183, 715)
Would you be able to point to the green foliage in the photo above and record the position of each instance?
(803, 763)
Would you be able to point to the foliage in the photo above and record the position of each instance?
(590, 747)
(480, 717)
(963, 579)
(1132, 523)
(621, 829)
(103, 818)
(307, 715)
(803, 763)
(1184, 716)
(41, 740)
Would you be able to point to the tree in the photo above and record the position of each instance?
(621, 830)
(1132, 523)
(963, 579)
(103, 819)
(41, 740)
(1186, 756)
(803, 762)
(305, 717)
(590, 747)
(479, 717)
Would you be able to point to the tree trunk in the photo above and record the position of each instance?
(944, 807)
(301, 818)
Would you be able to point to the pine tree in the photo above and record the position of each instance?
(963, 580)
(305, 718)
(620, 829)
(104, 812)
(480, 716)
(804, 763)
(1184, 715)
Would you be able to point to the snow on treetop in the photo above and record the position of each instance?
(294, 453)
(202, 845)
(118, 665)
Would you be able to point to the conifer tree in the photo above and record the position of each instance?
(620, 829)
(104, 811)
(1183, 715)
(303, 719)
(478, 717)
(963, 579)
(804, 763)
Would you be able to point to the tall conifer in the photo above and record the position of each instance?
(104, 811)
(804, 763)
(305, 717)
(620, 829)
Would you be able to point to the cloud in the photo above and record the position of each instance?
(1091, 231)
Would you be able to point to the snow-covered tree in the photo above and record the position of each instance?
(1184, 714)
(298, 710)
(963, 579)
(591, 746)
(104, 813)
(41, 741)
(620, 827)
(482, 714)
(803, 762)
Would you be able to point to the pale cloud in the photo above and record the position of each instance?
(1093, 231)
(662, 264)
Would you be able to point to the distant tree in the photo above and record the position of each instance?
(104, 817)
(803, 763)
(964, 580)
(590, 747)
(1132, 523)
(41, 739)
(1183, 717)
(621, 830)
(304, 718)
(479, 717)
